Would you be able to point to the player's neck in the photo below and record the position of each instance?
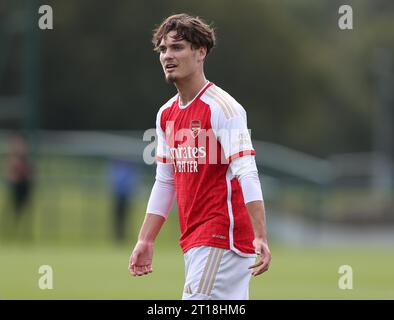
(188, 89)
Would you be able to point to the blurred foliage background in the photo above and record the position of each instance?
(305, 83)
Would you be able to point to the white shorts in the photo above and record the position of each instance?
(216, 274)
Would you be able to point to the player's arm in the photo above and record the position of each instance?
(237, 145)
(244, 168)
(257, 216)
(141, 258)
(159, 206)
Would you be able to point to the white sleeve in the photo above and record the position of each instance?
(163, 192)
(244, 168)
(163, 150)
(229, 123)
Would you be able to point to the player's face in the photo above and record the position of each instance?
(178, 59)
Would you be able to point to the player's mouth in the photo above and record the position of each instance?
(170, 67)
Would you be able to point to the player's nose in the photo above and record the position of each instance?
(168, 56)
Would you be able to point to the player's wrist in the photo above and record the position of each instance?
(145, 242)
(261, 239)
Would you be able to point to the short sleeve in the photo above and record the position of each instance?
(229, 123)
(163, 150)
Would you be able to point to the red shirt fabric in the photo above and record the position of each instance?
(200, 139)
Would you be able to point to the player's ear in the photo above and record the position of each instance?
(202, 51)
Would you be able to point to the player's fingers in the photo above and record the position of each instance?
(140, 270)
(263, 259)
(132, 270)
(149, 267)
(131, 267)
(136, 270)
(259, 271)
(132, 262)
(262, 268)
(146, 269)
(265, 263)
(258, 263)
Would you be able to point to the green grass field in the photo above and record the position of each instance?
(71, 226)
(101, 273)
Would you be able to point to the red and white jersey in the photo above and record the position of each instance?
(200, 139)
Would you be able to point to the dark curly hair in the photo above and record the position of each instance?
(192, 29)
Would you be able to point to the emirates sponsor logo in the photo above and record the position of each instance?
(184, 153)
(195, 143)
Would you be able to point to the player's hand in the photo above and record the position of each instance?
(141, 259)
(264, 257)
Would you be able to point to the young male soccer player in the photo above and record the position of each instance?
(206, 158)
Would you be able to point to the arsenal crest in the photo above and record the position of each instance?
(195, 127)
